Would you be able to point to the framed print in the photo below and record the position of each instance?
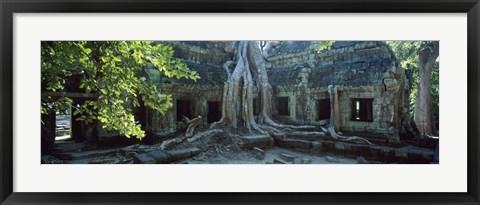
(239, 102)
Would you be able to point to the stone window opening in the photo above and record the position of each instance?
(323, 109)
(184, 109)
(362, 109)
(213, 113)
(282, 106)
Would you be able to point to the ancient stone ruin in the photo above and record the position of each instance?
(345, 104)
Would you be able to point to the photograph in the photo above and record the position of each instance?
(240, 102)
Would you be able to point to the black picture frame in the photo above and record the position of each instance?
(9, 7)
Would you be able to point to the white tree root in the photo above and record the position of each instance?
(237, 104)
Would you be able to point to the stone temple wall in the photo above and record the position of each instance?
(207, 59)
(300, 73)
(166, 123)
(358, 69)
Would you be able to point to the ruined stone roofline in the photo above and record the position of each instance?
(275, 57)
(195, 62)
(340, 88)
(192, 48)
(350, 54)
(174, 87)
(359, 52)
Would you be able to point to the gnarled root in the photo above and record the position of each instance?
(333, 93)
(167, 144)
(192, 124)
(353, 139)
(207, 133)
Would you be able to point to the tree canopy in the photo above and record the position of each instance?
(113, 71)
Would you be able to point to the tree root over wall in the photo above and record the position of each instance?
(237, 100)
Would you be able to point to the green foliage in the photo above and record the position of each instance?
(407, 54)
(325, 45)
(113, 70)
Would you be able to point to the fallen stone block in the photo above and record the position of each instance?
(85, 154)
(277, 161)
(260, 141)
(287, 157)
(310, 136)
(136, 148)
(316, 146)
(401, 153)
(301, 161)
(362, 160)
(259, 153)
(295, 144)
(164, 157)
(143, 159)
(160, 156)
(340, 146)
(332, 159)
(306, 161)
(184, 153)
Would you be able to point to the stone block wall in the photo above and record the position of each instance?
(197, 95)
(358, 69)
(386, 121)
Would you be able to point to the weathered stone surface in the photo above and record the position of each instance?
(316, 146)
(288, 157)
(158, 156)
(362, 160)
(84, 154)
(259, 153)
(278, 161)
(341, 146)
(294, 144)
(332, 159)
(311, 136)
(143, 159)
(137, 148)
(260, 141)
(182, 154)
(163, 157)
(306, 161)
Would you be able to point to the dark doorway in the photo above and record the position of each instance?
(282, 106)
(323, 109)
(362, 109)
(214, 113)
(76, 126)
(184, 108)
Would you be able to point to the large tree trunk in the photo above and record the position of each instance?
(423, 115)
(237, 102)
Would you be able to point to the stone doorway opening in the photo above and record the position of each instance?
(323, 109)
(184, 109)
(213, 113)
(282, 106)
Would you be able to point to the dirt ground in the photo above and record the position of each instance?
(271, 154)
